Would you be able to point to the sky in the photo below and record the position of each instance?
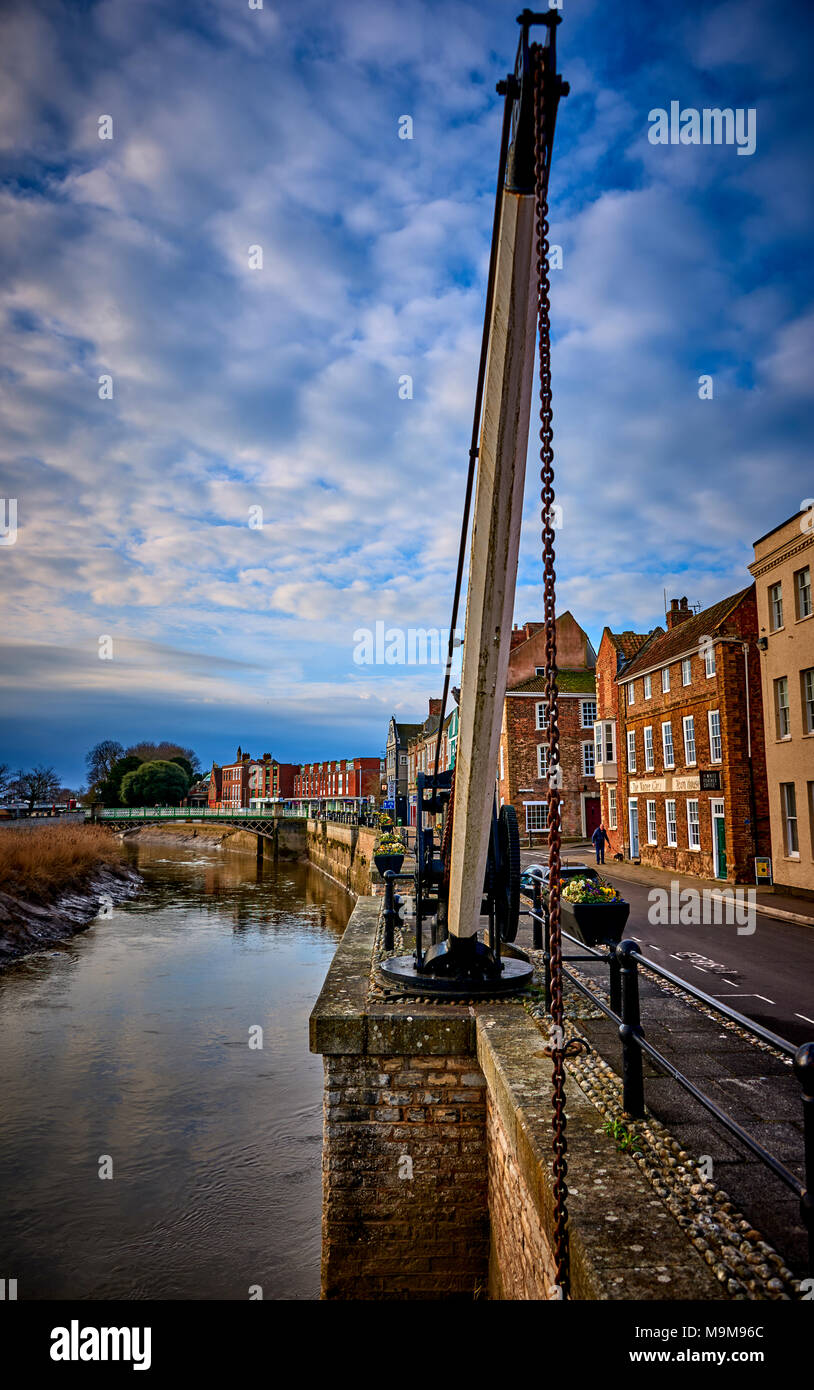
(218, 482)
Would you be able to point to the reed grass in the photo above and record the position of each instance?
(39, 862)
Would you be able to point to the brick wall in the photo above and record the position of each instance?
(519, 741)
(521, 1265)
(405, 1211)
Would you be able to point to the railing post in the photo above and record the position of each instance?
(629, 1030)
(537, 909)
(615, 982)
(389, 910)
(804, 1071)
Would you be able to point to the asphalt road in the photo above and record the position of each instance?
(768, 975)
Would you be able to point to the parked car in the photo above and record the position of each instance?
(567, 872)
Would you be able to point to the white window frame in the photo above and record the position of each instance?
(669, 756)
(802, 590)
(665, 679)
(791, 828)
(782, 709)
(631, 692)
(652, 824)
(502, 769)
(649, 750)
(688, 726)
(672, 823)
(715, 738)
(541, 714)
(583, 705)
(693, 821)
(588, 757)
(775, 607)
(648, 687)
(808, 700)
(709, 662)
(631, 750)
(686, 671)
(613, 815)
(539, 807)
(542, 760)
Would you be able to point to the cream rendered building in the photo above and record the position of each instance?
(782, 569)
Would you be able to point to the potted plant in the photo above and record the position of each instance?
(388, 852)
(593, 910)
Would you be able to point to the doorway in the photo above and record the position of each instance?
(593, 815)
(633, 815)
(718, 838)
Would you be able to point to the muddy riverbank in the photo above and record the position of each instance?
(31, 923)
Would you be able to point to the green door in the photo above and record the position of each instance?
(720, 847)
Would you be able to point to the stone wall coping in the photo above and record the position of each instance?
(616, 1254)
(342, 1023)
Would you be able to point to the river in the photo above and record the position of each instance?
(129, 1047)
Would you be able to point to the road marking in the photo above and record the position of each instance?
(653, 946)
(730, 982)
(699, 967)
(804, 1018)
(747, 996)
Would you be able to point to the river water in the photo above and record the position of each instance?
(129, 1046)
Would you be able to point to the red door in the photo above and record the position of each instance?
(593, 814)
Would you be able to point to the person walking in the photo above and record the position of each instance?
(600, 838)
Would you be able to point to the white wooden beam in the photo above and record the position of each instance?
(493, 555)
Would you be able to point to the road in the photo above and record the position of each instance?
(768, 975)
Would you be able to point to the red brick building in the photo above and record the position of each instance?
(522, 775)
(250, 782)
(270, 780)
(342, 779)
(691, 774)
(616, 651)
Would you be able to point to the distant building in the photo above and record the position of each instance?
(396, 771)
(339, 783)
(782, 567)
(270, 781)
(522, 772)
(421, 751)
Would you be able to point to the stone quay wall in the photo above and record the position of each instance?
(343, 852)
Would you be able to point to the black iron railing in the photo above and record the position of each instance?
(623, 963)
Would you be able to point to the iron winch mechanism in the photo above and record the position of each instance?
(468, 858)
(462, 968)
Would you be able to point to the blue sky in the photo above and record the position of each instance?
(236, 388)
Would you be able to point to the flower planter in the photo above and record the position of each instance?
(594, 923)
(384, 862)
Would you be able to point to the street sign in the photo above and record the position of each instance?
(763, 870)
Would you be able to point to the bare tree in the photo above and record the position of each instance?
(39, 784)
(101, 758)
(5, 780)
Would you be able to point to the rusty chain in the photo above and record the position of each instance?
(557, 1051)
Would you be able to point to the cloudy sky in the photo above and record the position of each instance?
(237, 387)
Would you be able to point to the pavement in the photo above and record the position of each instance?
(750, 1083)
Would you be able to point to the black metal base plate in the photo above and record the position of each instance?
(401, 971)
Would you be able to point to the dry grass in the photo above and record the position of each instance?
(40, 862)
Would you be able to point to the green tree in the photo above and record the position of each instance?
(157, 783)
(186, 765)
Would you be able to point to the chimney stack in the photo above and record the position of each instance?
(679, 613)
